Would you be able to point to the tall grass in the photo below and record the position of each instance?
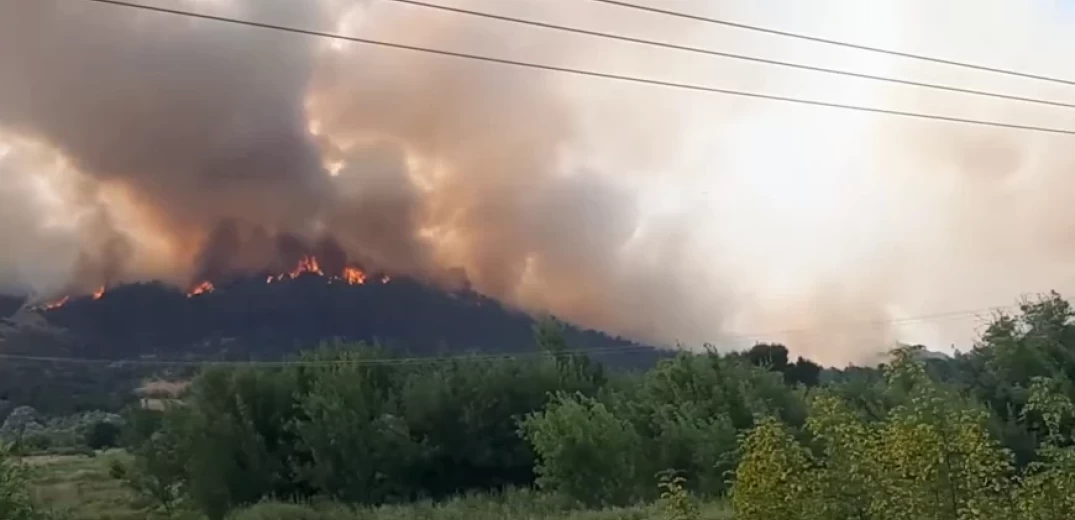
(79, 488)
(513, 505)
(76, 487)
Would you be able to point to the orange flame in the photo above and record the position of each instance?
(202, 288)
(308, 264)
(353, 275)
(56, 304)
(350, 275)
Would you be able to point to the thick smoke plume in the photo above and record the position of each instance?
(140, 145)
(200, 149)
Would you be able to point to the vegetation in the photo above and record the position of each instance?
(29, 431)
(77, 487)
(248, 320)
(354, 433)
(14, 489)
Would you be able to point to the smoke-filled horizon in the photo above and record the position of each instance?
(137, 145)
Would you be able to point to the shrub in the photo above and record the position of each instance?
(102, 435)
(14, 488)
(585, 451)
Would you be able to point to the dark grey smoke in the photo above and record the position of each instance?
(196, 149)
(221, 139)
(199, 122)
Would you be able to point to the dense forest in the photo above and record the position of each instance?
(984, 434)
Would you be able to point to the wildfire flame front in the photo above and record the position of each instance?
(57, 303)
(308, 264)
(202, 288)
(353, 275)
(350, 275)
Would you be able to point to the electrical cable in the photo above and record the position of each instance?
(827, 41)
(592, 73)
(735, 56)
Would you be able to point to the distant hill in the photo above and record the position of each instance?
(10, 304)
(249, 319)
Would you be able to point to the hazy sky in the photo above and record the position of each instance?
(668, 215)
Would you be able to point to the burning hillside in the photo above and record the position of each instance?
(245, 317)
(195, 159)
(237, 251)
(141, 146)
(308, 265)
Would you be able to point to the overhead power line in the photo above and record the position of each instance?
(850, 45)
(922, 318)
(591, 73)
(736, 56)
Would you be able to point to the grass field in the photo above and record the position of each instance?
(514, 506)
(77, 487)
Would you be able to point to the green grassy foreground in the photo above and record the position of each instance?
(75, 487)
(78, 487)
(514, 506)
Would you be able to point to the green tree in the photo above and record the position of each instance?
(585, 451)
(771, 479)
(360, 446)
(23, 426)
(235, 435)
(551, 337)
(157, 472)
(941, 461)
(677, 501)
(700, 446)
(690, 409)
(1048, 486)
(465, 412)
(930, 458)
(1037, 342)
(845, 481)
(14, 488)
(102, 434)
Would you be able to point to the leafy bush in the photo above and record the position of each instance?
(156, 474)
(770, 482)
(31, 432)
(932, 458)
(585, 451)
(103, 435)
(678, 504)
(1048, 488)
(23, 424)
(14, 488)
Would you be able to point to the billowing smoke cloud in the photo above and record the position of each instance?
(141, 145)
(223, 143)
(187, 123)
